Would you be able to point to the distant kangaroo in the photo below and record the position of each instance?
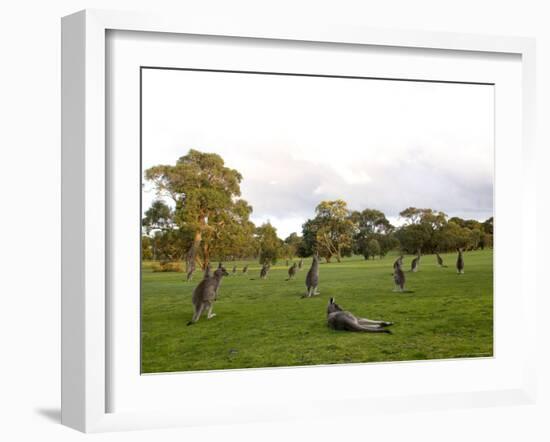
(207, 271)
(221, 268)
(459, 262)
(439, 260)
(339, 319)
(245, 269)
(264, 271)
(300, 263)
(206, 293)
(398, 278)
(292, 271)
(312, 278)
(190, 270)
(234, 269)
(415, 263)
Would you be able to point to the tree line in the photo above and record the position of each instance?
(208, 220)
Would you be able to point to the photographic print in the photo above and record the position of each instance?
(297, 220)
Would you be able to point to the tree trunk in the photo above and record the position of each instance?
(192, 253)
(206, 256)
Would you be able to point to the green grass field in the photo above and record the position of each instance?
(265, 323)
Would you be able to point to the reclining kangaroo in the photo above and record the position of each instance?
(339, 319)
(206, 293)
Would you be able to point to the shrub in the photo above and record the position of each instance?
(167, 267)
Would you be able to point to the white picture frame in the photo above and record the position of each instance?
(85, 215)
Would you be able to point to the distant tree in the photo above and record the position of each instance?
(146, 248)
(158, 217)
(373, 248)
(372, 224)
(420, 229)
(270, 246)
(414, 237)
(333, 229)
(293, 244)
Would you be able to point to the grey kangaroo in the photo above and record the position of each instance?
(292, 271)
(339, 319)
(190, 270)
(398, 278)
(245, 269)
(459, 262)
(206, 293)
(300, 263)
(264, 271)
(398, 262)
(312, 278)
(439, 260)
(234, 269)
(415, 264)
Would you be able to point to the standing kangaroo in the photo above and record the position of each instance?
(339, 319)
(245, 269)
(234, 269)
(312, 278)
(398, 278)
(190, 270)
(459, 262)
(206, 293)
(292, 271)
(300, 263)
(439, 260)
(264, 271)
(398, 262)
(415, 263)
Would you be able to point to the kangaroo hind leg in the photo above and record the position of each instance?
(197, 314)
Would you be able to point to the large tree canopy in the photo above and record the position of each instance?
(331, 232)
(205, 193)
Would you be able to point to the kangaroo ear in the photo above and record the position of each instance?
(331, 301)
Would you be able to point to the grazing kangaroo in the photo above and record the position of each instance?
(206, 293)
(415, 263)
(292, 271)
(245, 269)
(439, 260)
(300, 263)
(264, 271)
(459, 262)
(312, 278)
(339, 319)
(398, 278)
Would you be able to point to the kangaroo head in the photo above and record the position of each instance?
(333, 307)
(221, 271)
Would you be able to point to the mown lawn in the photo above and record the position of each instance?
(265, 323)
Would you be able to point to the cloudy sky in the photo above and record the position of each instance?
(299, 140)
